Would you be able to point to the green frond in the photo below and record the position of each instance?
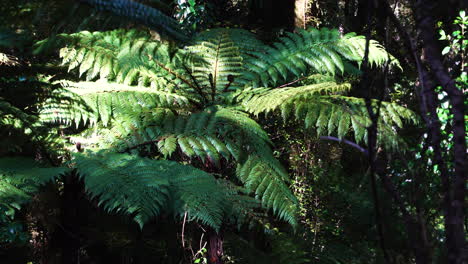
(222, 62)
(167, 145)
(241, 208)
(263, 100)
(322, 51)
(377, 55)
(321, 109)
(123, 56)
(145, 14)
(246, 41)
(144, 188)
(20, 178)
(267, 180)
(95, 102)
(223, 133)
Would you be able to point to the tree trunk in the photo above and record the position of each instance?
(215, 248)
(454, 187)
(300, 11)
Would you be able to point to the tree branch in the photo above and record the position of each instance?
(347, 142)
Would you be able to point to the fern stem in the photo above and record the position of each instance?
(175, 74)
(197, 86)
(293, 82)
(140, 145)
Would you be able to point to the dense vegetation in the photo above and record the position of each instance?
(240, 131)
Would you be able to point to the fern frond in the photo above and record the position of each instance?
(14, 117)
(267, 180)
(151, 17)
(264, 100)
(221, 63)
(320, 108)
(322, 51)
(241, 208)
(131, 57)
(20, 178)
(98, 53)
(101, 101)
(144, 188)
(231, 134)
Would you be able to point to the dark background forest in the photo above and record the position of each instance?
(233, 131)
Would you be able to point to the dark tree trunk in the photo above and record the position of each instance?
(215, 248)
(70, 219)
(454, 186)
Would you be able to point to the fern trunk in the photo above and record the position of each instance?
(215, 248)
(70, 219)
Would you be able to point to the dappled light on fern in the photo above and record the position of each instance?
(192, 103)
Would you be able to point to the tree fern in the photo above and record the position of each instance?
(191, 103)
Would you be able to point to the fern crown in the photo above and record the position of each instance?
(197, 104)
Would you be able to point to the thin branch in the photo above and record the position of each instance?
(183, 230)
(197, 86)
(293, 82)
(347, 142)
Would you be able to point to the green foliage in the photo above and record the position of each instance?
(20, 127)
(297, 54)
(193, 100)
(322, 109)
(110, 55)
(458, 43)
(456, 50)
(82, 102)
(144, 188)
(213, 135)
(20, 178)
(152, 17)
(457, 39)
(192, 14)
(175, 130)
